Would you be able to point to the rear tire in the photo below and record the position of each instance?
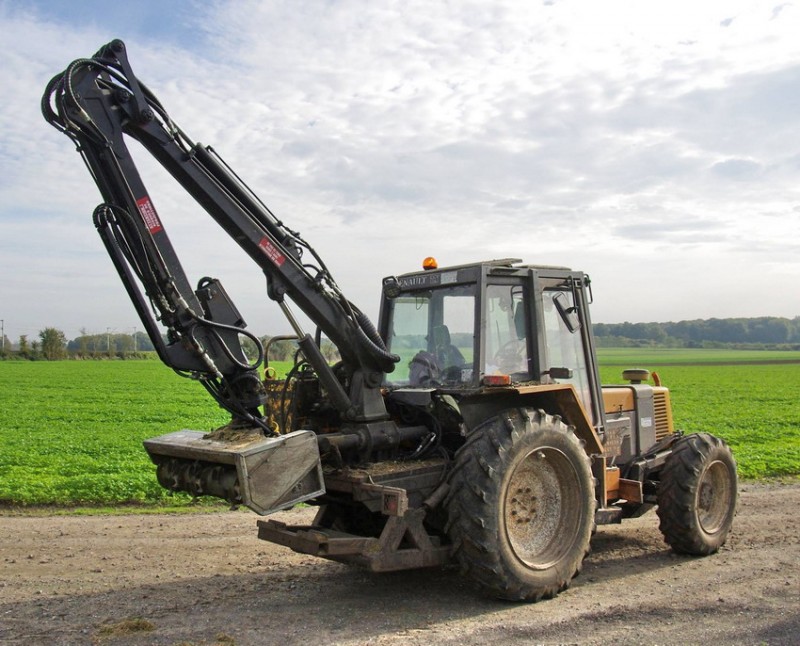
(697, 495)
(521, 505)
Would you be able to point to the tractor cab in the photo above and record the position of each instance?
(466, 328)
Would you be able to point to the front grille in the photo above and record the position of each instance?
(663, 413)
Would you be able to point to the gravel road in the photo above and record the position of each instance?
(206, 579)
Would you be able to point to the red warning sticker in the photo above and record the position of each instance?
(149, 215)
(272, 252)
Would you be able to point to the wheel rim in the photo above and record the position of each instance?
(542, 510)
(714, 493)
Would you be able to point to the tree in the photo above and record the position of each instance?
(24, 348)
(83, 342)
(54, 343)
(770, 330)
(249, 347)
(282, 350)
(727, 330)
(330, 351)
(143, 342)
(124, 343)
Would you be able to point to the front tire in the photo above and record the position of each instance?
(697, 495)
(521, 505)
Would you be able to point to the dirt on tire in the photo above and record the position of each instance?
(509, 465)
(207, 579)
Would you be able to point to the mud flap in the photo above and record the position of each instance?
(264, 474)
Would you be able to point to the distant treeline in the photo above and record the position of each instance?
(52, 344)
(109, 343)
(765, 332)
(125, 345)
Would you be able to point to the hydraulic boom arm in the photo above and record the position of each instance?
(99, 101)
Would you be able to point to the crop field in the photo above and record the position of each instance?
(650, 357)
(755, 408)
(71, 431)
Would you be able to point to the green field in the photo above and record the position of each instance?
(755, 408)
(652, 357)
(71, 431)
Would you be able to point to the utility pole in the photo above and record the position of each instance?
(2, 335)
(108, 340)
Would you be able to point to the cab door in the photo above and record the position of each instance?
(566, 354)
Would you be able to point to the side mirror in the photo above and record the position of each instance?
(559, 373)
(568, 313)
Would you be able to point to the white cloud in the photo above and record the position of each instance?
(605, 136)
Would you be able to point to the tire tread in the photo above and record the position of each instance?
(478, 467)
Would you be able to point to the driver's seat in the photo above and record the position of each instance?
(447, 354)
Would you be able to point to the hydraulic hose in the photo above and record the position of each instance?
(369, 335)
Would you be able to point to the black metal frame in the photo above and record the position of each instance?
(99, 101)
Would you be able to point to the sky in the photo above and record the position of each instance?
(654, 145)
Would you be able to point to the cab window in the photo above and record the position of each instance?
(506, 332)
(564, 344)
(433, 331)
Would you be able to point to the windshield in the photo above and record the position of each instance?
(433, 332)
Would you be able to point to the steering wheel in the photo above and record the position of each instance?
(510, 355)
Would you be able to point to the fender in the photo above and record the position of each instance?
(556, 399)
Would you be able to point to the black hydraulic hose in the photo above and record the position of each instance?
(119, 225)
(230, 328)
(374, 343)
(212, 387)
(386, 359)
(136, 254)
(369, 329)
(47, 110)
(112, 244)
